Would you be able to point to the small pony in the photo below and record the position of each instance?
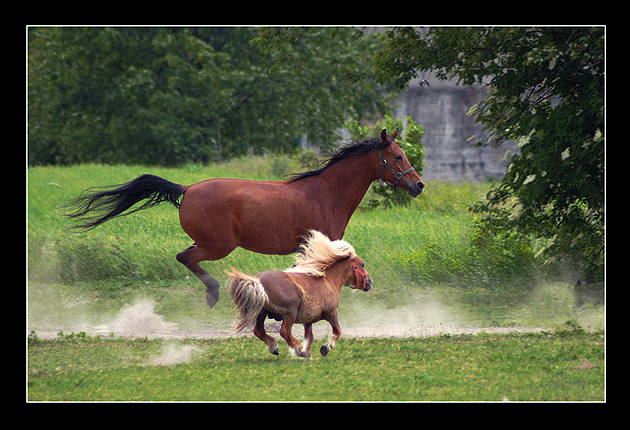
(304, 294)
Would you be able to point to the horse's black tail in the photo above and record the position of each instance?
(112, 202)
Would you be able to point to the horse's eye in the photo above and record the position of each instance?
(398, 157)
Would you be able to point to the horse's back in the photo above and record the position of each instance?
(261, 216)
(204, 212)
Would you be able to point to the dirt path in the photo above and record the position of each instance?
(140, 320)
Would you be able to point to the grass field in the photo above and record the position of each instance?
(541, 367)
(424, 273)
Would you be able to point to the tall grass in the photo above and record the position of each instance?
(142, 246)
(430, 245)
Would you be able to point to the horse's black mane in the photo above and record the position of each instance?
(355, 148)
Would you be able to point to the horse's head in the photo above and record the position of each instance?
(395, 167)
(359, 277)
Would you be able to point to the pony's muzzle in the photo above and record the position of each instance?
(368, 284)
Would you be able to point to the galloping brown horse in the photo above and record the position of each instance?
(304, 294)
(267, 217)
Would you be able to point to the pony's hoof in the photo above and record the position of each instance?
(325, 349)
(275, 351)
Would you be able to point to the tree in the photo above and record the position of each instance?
(546, 92)
(173, 95)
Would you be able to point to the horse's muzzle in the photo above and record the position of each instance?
(368, 284)
(415, 189)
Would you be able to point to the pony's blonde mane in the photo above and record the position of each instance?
(318, 253)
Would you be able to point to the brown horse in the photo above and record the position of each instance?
(267, 217)
(304, 294)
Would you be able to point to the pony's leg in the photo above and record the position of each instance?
(191, 258)
(308, 339)
(286, 333)
(260, 333)
(336, 334)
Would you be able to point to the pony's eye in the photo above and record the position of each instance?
(398, 157)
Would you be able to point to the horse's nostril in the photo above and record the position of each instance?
(420, 185)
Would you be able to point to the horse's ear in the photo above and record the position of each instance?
(395, 134)
(384, 136)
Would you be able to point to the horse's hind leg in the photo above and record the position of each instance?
(191, 258)
(260, 333)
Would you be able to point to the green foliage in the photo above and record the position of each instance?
(545, 91)
(167, 96)
(410, 141)
(309, 160)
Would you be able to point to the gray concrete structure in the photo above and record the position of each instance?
(441, 108)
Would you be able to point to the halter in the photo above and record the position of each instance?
(360, 275)
(396, 174)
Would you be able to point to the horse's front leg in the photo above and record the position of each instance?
(287, 334)
(308, 340)
(336, 333)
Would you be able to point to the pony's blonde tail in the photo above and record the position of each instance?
(248, 295)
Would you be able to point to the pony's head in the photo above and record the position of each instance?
(359, 279)
(318, 253)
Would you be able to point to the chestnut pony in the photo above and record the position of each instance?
(267, 217)
(304, 294)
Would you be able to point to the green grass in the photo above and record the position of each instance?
(481, 368)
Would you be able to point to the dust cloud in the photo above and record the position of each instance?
(173, 353)
(139, 320)
(420, 315)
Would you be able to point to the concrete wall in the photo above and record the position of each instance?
(441, 109)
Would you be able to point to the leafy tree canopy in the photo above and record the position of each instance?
(546, 92)
(173, 95)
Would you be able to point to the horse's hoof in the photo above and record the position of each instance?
(212, 297)
(324, 350)
(274, 350)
